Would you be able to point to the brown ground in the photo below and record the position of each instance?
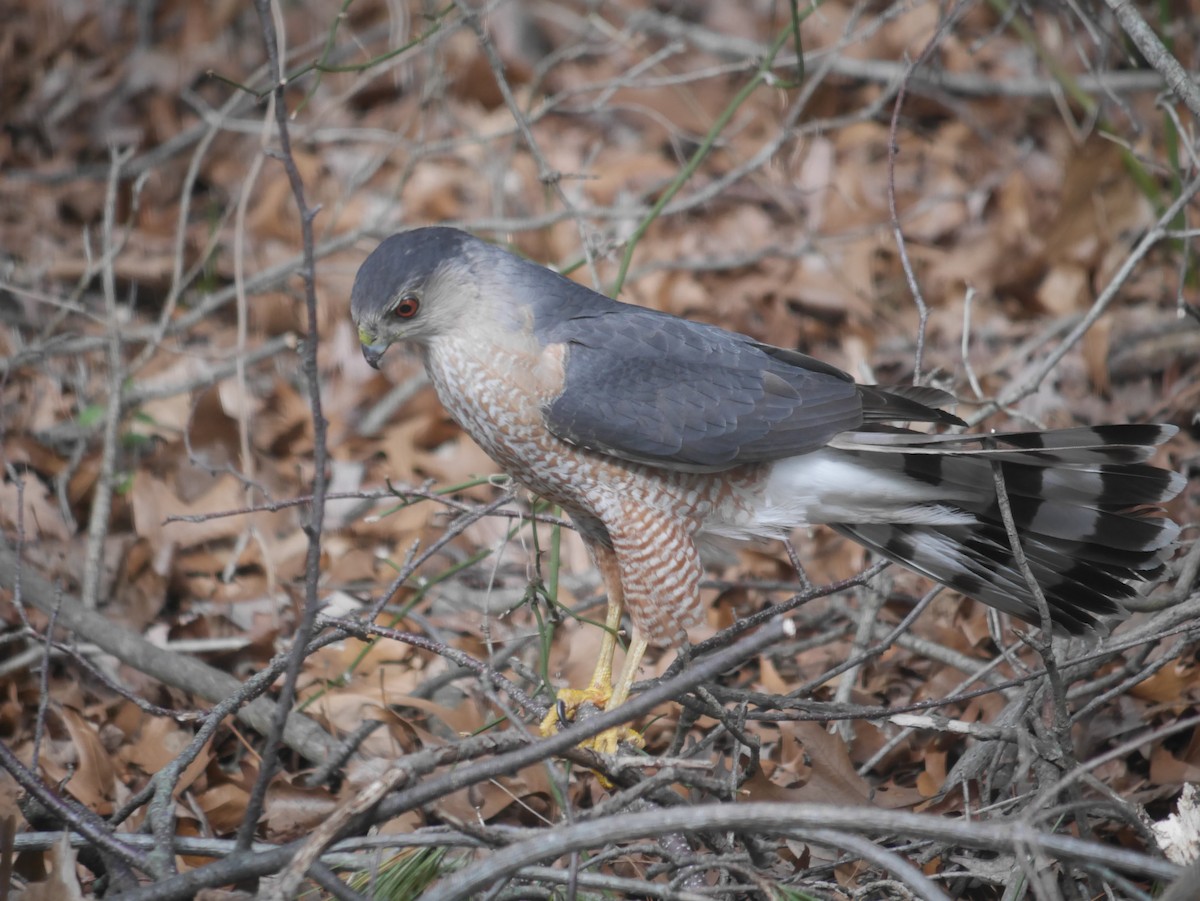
(150, 248)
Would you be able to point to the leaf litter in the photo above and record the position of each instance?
(1003, 197)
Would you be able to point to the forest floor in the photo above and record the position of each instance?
(1027, 172)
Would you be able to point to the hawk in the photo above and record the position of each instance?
(655, 433)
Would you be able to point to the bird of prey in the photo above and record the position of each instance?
(654, 432)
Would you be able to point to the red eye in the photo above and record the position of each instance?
(407, 308)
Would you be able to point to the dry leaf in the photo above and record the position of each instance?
(1179, 833)
(62, 884)
(31, 504)
(92, 777)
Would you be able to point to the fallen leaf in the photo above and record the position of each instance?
(62, 883)
(92, 777)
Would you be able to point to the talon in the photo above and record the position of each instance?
(608, 741)
(601, 692)
(563, 714)
(569, 701)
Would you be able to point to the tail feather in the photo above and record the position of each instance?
(1061, 447)
(1120, 485)
(1084, 503)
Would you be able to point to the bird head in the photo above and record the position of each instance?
(414, 286)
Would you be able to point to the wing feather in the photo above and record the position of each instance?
(656, 389)
(653, 388)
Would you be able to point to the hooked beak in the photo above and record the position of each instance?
(372, 348)
(372, 353)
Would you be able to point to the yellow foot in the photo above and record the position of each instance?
(569, 702)
(608, 740)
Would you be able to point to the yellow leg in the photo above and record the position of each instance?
(602, 677)
(608, 740)
(633, 661)
(600, 690)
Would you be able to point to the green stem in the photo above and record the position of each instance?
(761, 74)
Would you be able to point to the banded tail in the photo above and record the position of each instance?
(1084, 501)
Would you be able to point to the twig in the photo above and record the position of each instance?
(177, 670)
(726, 636)
(914, 287)
(105, 483)
(366, 631)
(1016, 391)
(930, 81)
(185, 885)
(1143, 739)
(316, 513)
(415, 561)
(870, 653)
(871, 602)
(1156, 54)
(547, 175)
(796, 819)
(73, 815)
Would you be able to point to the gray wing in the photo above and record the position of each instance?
(652, 388)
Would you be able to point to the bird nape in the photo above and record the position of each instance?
(653, 432)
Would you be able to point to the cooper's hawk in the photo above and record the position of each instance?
(654, 433)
